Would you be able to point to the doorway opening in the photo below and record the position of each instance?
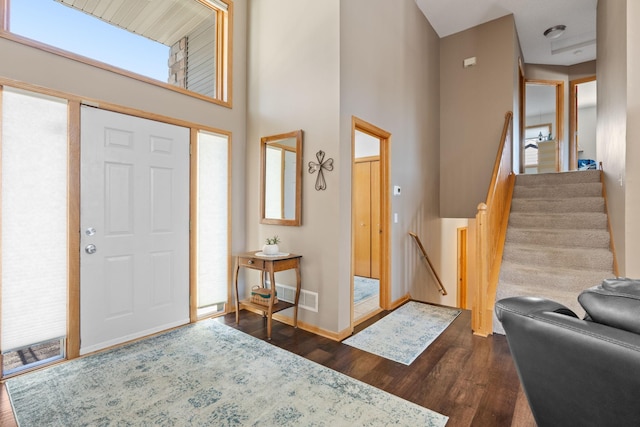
(370, 219)
(582, 124)
(543, 144)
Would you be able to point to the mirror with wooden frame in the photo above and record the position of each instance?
(281, 178)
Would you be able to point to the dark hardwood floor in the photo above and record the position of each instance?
(470, 379)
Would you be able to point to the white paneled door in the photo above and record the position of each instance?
(134, 216)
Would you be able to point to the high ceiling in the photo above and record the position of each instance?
(532, 17)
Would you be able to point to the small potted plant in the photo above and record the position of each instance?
(271, 246)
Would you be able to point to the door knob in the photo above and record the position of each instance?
(90, 249)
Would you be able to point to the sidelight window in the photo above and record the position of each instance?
(34, 229)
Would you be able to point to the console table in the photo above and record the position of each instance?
(268, 264)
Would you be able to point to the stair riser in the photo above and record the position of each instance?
(589, 204)
(593, 189)
(558, 178)
(595, 259)
(560, 238)
(570, 280)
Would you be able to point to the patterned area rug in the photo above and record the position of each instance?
(405, 333)
(364, 287)
(205, 374)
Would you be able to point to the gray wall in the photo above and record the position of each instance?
(632, 229)
(294, 83)
(473, 105)
(389, 76)
(612, 114)
(314, 65)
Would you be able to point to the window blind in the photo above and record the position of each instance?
(34, 219)
(213, 234)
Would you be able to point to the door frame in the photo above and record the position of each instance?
(573, 119)
(463, 267)
(72, 349)
(385, 211)
(559, 85)
(522, 87)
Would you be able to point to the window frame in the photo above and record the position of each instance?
(224, 37)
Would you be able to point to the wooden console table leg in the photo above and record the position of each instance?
(272, 285)
(295, 307)
(235, 291)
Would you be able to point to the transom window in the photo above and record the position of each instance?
(181, 44)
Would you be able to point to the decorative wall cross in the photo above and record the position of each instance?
(321, 184)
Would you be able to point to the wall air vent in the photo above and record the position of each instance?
(308, 300)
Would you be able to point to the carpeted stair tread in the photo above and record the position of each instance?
(558, 178)
(582, 204)
(589, 238)
(545, 256)
(558, 191)
(559, 277)
(568, 220)
(557, 241)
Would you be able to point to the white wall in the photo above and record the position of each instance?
(448, 268)
(587, 133)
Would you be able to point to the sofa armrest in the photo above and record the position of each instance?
(528, 305)
(573, 371)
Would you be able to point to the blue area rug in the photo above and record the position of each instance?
(364, 287)
(405, 333)
(205, 374)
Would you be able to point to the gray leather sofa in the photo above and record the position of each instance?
(578, 372)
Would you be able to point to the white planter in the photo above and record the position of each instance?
(270, 249)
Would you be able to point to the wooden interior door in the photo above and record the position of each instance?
(367, 214)
(362, 213)
(375, 219)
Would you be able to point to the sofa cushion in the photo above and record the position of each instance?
(615, 303)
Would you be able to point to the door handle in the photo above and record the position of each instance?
(90, 249)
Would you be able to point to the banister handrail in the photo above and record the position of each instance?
(416, 239)
(491, 225)
(506, 130)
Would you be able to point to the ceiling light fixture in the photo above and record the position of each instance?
(555, 31)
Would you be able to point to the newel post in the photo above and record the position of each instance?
(479, 313)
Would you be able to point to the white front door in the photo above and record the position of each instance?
(134, 216)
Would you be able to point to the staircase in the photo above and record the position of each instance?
(557, 241)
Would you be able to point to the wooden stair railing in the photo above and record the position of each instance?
(416, 239)
(490, 230)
